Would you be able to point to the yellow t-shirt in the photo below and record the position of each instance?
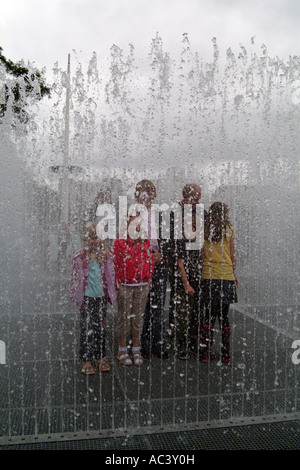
(217, 262)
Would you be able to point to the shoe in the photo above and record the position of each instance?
(87, 369)
(182, 349)
(137, 357)
(124, 358)
(226, 332)
(225, 360)
(206, 344)
(183, 355)
(208, 357)
(103, 365)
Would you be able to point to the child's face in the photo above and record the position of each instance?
(146, 198)
(194, 197)
(134, 227)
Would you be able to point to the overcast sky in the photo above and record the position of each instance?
(45, 31)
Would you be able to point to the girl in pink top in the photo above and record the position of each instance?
(92, 284)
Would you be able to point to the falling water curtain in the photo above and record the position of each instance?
(222, 124)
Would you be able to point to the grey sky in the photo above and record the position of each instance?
(45, 31)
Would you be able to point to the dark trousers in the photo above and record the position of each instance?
(217, 310)
(187, 314)
(217, 296)
(92, 329)
(152, 337)
(172, 304)
(214, 310)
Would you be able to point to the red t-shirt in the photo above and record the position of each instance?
(134, 261)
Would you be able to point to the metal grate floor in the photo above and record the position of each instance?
(267, 436)
(44, 397)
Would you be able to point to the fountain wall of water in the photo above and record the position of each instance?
(230, 124)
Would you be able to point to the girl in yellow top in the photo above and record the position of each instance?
(219, 280)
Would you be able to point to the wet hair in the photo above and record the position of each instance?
(216, 221)
(189, 190)
(89, 234)
(104, 196)
(145, 186)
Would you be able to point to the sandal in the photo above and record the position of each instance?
(137, 357)
(123, 357)
(103, 365)
(87, 368)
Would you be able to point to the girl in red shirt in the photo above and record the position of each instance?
(134, 266)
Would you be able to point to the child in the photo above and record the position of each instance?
(187, 300)
(152, 338)
(219, 280)
(134, 265)
(89, 290)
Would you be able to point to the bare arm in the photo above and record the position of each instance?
(233, 260)
(188, 289)
(157, 257)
